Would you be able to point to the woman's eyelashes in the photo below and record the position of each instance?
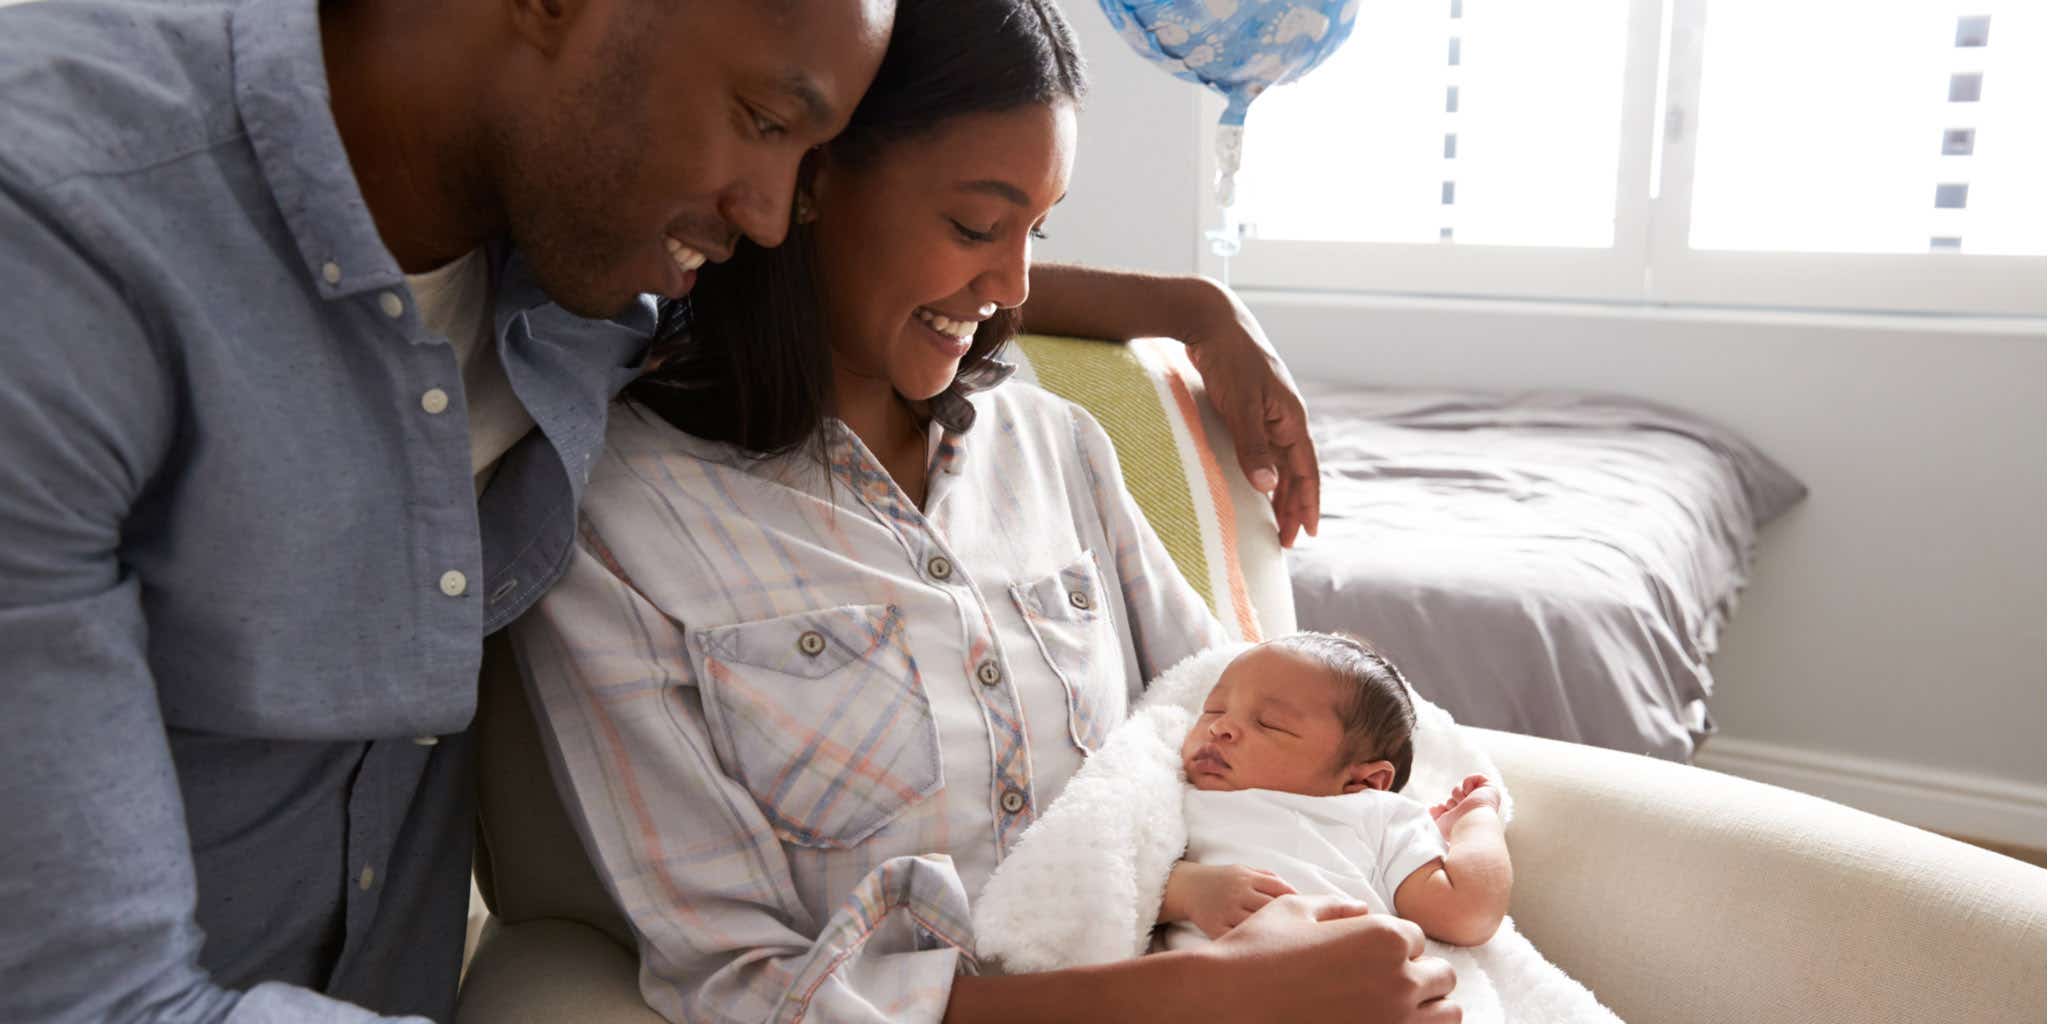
(979, 236)
(971, 235)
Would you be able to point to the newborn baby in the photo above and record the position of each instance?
(1295, 763)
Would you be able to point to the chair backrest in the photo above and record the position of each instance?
(1177, 460)
(1180, 464)
(529, 862)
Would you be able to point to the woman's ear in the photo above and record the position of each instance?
(1369, 775)
(810, 175)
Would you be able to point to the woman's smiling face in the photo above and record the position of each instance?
(924, 240)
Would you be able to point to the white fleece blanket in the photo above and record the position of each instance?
(1084, 883)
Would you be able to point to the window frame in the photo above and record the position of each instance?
(1650, 261)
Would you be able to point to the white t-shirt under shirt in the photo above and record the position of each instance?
(455, 302)
(1361, 845)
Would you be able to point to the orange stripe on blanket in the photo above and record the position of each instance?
(1219, 495)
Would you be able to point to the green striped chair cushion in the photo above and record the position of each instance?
(1179, 464)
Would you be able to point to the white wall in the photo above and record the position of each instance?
(1889, 652)
(1134, 188)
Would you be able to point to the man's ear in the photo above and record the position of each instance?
(544, 24)
(1369, 775)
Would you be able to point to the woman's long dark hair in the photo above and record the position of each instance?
(745, 359)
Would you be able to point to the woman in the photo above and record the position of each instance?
(847, 615)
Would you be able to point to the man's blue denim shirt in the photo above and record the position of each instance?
(236, 664)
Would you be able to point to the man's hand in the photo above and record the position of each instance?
(1218, 897)
(1251, 388)
(1245, 380)
(1305, 958)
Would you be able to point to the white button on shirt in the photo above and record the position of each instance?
(815, 788)
(454, 302)
(391, 304)
(453, 583)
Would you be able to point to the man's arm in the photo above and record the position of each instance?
(1298, 959)
(95, 865)
(1245, 379)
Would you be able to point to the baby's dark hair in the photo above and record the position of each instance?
(1379, 717)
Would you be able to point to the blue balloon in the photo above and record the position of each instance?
(1239, 48)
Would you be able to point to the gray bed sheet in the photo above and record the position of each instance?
(1554, 564)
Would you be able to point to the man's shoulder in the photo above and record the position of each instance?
(110, 87)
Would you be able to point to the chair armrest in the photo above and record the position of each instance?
(548, 970)
(1682, 895)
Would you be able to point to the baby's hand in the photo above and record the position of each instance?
(1216, 897)
(1475, 791)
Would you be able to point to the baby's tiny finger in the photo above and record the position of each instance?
(1270, 887)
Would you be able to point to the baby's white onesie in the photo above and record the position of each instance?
(1359, 845)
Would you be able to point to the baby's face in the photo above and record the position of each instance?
(1272, 722)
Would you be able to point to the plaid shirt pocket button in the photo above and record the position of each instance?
(811, 643)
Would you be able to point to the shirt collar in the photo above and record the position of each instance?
(282, 95)
(951, 408)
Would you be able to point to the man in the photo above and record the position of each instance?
(297, 407)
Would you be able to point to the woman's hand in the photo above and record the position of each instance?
(1218, 897)
(1301, 958)
(1305, 958)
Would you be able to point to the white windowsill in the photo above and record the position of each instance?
(1731, 315)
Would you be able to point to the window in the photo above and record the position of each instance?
(1846, 154)
(1528, 147)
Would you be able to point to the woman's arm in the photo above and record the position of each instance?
(1298, 959)
(1244, 377)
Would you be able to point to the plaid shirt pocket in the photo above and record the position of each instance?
(1068, 616)
(823, 716)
